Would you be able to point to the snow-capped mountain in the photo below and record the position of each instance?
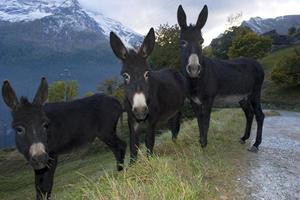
(58, 39)
(67, 13)
(128, 36)
(280, 24)
(29, 10)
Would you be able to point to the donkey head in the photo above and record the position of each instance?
(30, 123)
(191, 42)
(136, 72)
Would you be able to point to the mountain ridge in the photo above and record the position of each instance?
(281, 24)
(14, 11)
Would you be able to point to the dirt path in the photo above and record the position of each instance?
(274, 172)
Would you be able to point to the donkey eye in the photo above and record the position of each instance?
(20, 130)
(146, 75)
(45, 125)
(126, 77)
(183, 43)
(201, 42)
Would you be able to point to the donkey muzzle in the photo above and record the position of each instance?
(140, 112)
(193, 70)
(38, 155)
(39, 161)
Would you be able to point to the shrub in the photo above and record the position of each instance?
(220, 46)
(166, 51)
(63, 91)
(292, 30)
(287, 71)
(250, 45)
(112, 87)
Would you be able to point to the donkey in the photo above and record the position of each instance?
(43, 131)
(219, 81)
(151, 96)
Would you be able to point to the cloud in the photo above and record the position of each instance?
(140, 15)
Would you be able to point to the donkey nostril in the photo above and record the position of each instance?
(134, 110)
(143, 109)
(188, 69)
(39, 158)
(34, 159)
(146, 109)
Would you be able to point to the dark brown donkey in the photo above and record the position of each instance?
(45, 130)
(152, 96)
(222, 82)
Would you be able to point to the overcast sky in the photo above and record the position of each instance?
(140, 15)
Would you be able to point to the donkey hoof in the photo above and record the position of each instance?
(120, 167)
(203, 144)
(174, 139)
(253, 149)
(132, 161)
(242, 141)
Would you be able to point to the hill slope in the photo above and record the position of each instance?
(287, 98)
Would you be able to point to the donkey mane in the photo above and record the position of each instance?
(24, 101)
(192, 26)
(133, 56)
(133, 51)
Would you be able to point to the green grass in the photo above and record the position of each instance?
(17, 180)
(272, 95)
(176, 171)
(270, 60)
(179, 171)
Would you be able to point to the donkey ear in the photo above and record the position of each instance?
(181, 17)
(117, 46)
(148, 44)
(202, 18)
(9, 96)
(41, 95)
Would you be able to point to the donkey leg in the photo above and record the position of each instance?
(44, 179)
(206, 111)
(259, 116)
(248, 110)
(134, 139)
(117, 146)
(174, 125)
(203, 112)
(150, 139)
(198, 112)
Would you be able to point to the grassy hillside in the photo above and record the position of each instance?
(287, 98)
(177, 171)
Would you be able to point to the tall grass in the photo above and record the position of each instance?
(177, 171)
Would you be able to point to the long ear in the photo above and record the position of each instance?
(148, 44)
(181, 17)
(117, 46)
(41, 95)
(202, 17)
(9, 96)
